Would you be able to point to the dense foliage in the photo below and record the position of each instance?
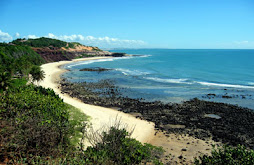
(36, 73)
(34, 121)
(48, 42)
(18, 61)
(16, 52)
(116, 147)
(228, 155)
(40, 42)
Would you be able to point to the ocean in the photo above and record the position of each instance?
(170, 75)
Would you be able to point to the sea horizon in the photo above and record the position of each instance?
(108, 49)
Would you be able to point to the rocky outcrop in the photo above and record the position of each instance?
(234, 125)
(96, 69)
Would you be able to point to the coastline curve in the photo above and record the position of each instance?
(100, 116)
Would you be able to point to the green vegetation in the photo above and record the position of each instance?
(73, 44)
(47, 42)
(17, 61)
(5, 80)
(228, 155)
(10, 53)
(35, 122)
(40, 42)
(18, 82)
(37, 73)
(116, 147)
(78, 119)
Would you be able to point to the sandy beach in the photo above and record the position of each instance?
(100, 116)
(178, 148)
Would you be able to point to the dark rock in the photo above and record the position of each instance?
(227, 97)
(96, 69)
(118, 54)
(235, 126)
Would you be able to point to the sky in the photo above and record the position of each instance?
(173, 24)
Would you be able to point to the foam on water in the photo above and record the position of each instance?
(128, 72)
(176, 81)
(225, 85)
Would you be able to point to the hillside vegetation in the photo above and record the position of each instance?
(13, 55)
(49, 42)
(18, 61)
(52, 50)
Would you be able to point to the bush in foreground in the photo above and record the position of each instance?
(228, 155)
(114, 145)
(34, 121)
(37, 127)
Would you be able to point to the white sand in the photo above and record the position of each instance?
(100, 116)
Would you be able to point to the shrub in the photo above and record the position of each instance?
(34, 121)
(228, 155)
(114, 146)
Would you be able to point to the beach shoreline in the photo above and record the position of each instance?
(144, 131)
(100, 116)
(152, 126)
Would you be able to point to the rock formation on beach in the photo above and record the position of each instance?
(222, 122)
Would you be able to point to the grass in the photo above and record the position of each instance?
(18, 82)
(78, 117)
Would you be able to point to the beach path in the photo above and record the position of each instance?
(100, 116)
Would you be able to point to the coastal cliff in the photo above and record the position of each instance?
(53, 50)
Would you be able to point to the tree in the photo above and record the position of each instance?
(5, 80)
(37, 73)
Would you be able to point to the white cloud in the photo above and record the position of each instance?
(5, 36)
(50, 35)
(17, 35)
(73, 37)
(241, 42)
(100, 41)
(32, 36)
(244, 44)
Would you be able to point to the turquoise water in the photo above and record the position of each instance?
(177, 75)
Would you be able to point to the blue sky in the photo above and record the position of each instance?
(133, 23)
